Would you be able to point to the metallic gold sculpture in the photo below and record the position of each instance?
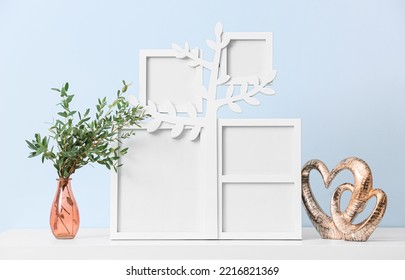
(339, 225)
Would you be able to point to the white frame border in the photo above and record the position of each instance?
(166, 53)
(245, 36)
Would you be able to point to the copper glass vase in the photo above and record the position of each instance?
(65, 219)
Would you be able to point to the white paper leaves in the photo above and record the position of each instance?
(171, 117)
(235, 107)
(252, 101)
(195, 132)
(246, 94)
(223, 79)
(177, 130)
(180, 53)
(153, 126)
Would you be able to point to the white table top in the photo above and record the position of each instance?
(385, 243)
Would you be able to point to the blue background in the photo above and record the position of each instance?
(341, 69)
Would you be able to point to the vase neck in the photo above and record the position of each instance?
(63, 182)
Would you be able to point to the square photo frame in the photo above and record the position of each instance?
(160, 191)
(163, 77)
(248, 56)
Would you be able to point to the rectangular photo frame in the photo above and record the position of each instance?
(160, 190)
(247, 57)
(165, 78)
(259, 179)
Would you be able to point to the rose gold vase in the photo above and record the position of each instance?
(64, 219)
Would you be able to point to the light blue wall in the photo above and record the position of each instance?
(341, 69)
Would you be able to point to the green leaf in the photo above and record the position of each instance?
(124, 151)
(33, 154)
(69, 98)
(63, 92)
(71, 113)
(30, 145)
(44, 142)
(66, 86)
(87, 113)
(83, 121)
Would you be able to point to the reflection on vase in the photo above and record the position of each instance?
(64, 219)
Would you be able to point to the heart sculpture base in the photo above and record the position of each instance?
(339, 225)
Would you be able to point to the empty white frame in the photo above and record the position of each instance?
(160, 192)
(248, 56)
(164, 78)
(259, 179)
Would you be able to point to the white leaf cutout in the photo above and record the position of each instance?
(179, 51)
(177, 130)
(152, 126)
(218, 29)
(267, 91)
(194, 133)
(193, 63)
(270, 76)
(234, 107)
(223, 79)
(177, 47)
(252, 101)
(180, 55)
(225, 43)
(187, 46)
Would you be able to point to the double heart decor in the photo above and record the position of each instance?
(340, 224)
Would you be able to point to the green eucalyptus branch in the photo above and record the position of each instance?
(81, 140)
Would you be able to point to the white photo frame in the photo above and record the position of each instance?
(247, 57)
(259, 179)
(165, 78)
(160, 191)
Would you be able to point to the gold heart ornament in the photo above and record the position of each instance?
(340, 224)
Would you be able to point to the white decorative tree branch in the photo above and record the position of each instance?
(195, 60)
(247, 91)
(179, 123)
(247, 95)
